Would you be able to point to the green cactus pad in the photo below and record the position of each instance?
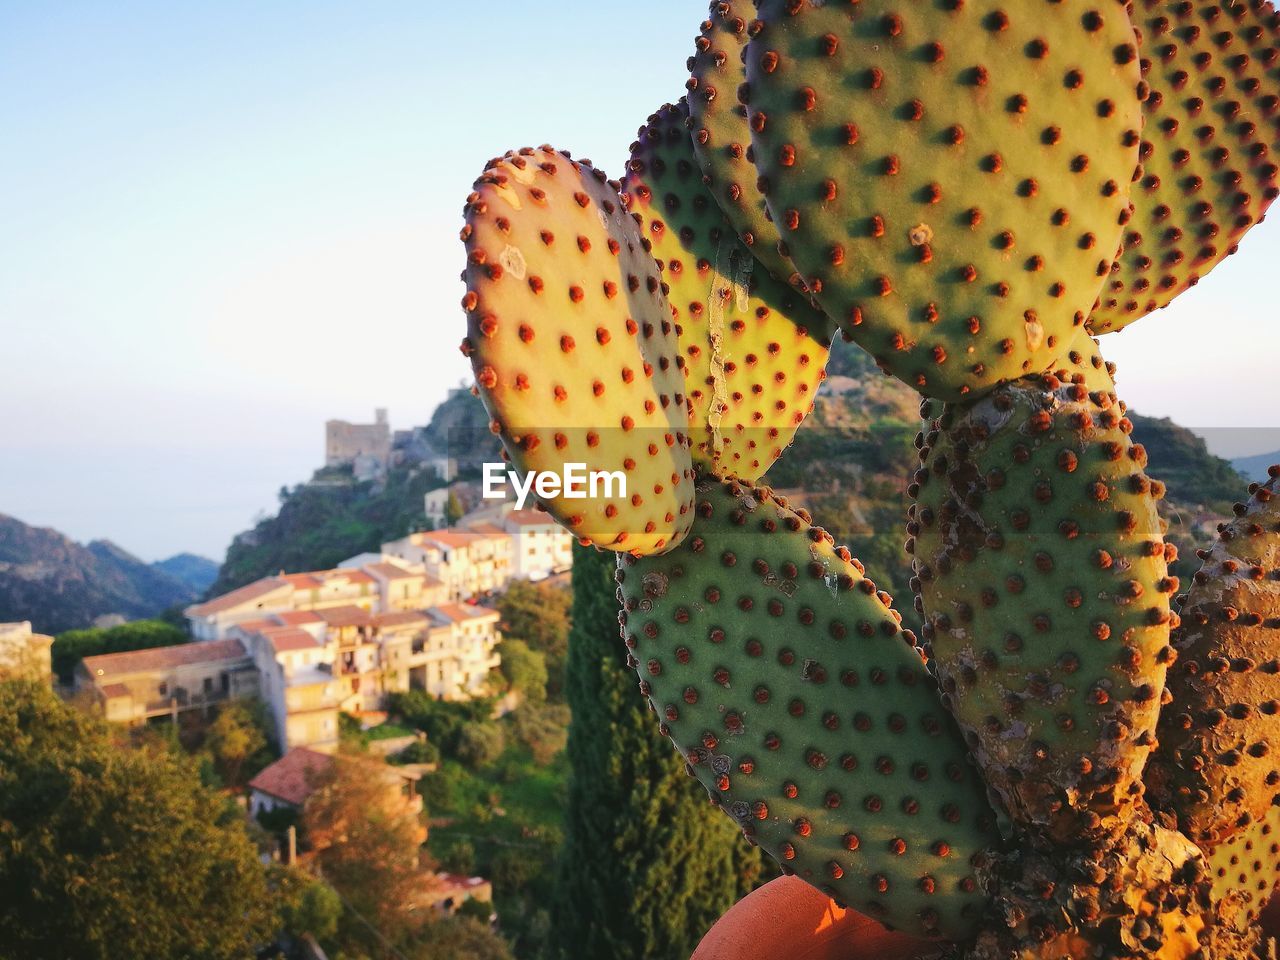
(1208, 149)
(721, 137)
(573, 346)
(1218, 767)
(951, 179)
(754, 350)
(788, 683)
(1040, 567)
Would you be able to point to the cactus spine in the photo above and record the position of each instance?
(971, 191)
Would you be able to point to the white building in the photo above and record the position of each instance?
(469, 562)
(540, 547)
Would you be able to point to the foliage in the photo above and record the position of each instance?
(367, 845)
(108, 851)
(237, 741)
(459, 857)
(307, 904)
(452, 509)
(538, 614)
(480, 744)
(420, 751)
(525, 669)
(647, 864)
(320, 524)
(440, 720)
(459, 938)
(72, 646)
(543, 728)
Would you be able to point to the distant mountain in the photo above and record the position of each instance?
(1255, 467)
(196, 572)
(58, 584)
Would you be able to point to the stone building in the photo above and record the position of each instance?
(134, 686)
(365, 447)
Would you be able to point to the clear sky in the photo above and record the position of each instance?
(222, 224)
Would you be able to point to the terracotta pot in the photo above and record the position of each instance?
(788, 918)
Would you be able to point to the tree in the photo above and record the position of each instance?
(109, 851)
(543, 728)
(453, 511)
(647, 864)
(72, 646)
(307, 905)
(538, 614)
(459, 938)
(368, 844)
(235, 738)
(524, 669)
(480, 744)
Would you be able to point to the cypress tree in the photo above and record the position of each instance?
(647, 864)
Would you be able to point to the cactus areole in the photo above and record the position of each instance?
(1077, 757)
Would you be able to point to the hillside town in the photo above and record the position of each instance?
(323, 652)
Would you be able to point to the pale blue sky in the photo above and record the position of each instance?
(222, 224)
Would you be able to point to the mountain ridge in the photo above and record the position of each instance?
(59, 584)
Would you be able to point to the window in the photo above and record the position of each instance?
(208, 684)
(164, 689)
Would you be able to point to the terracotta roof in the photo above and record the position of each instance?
(531, 518)
(457, 881)
(284, 639)
(296, 618)
(163, 658)
(316, 579)
(302, 581)
(348, 616)
(292, 778)
(459, 612)
(448, 538)
(237, 598)
(487, 531)
(391, 571)
(254, 626)
(400, 619)
(112, 690)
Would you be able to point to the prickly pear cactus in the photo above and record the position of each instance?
(1209, 170)
(950, 179)
(1041, 570)
(754, 350)
(1218, 767)
(971, 190)
(721, 136)
(787, 682)
(573, 346)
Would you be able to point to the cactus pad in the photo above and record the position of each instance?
(1246, 869)
(789, 685)
(1217, 767)
(573, 346)
(1040, 567)
(950, 179)
(1208, 151)
(754, 350)
(721, 136)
